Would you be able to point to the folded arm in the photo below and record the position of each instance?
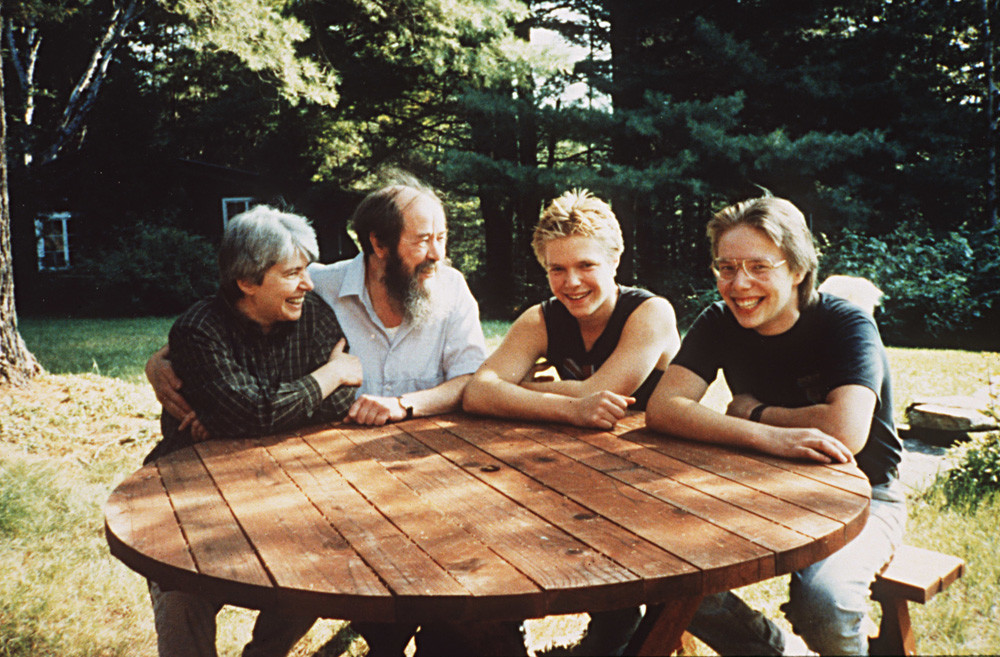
(675, 408)
(496, 388)
(845, 414)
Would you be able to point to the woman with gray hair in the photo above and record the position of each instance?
(264, 355)
(256, 240)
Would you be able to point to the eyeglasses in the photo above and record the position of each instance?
(758, 270)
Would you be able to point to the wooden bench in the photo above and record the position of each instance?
(913, 575)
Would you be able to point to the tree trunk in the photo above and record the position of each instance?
(992, 118)
(17, 365)
(626, 96)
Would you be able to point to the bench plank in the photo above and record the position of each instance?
(917, 574)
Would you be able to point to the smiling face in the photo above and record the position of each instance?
(279, 295)
(582, 276)
(769, 303)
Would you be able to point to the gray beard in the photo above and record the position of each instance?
(417, 301)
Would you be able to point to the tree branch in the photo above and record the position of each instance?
(84, 94)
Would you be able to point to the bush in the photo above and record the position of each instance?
(152, 270)
(976, 476)
(935, 285)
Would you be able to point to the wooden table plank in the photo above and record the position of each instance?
(218, 545)
(797, 518)
(299, 548)
(419, 553)
(134, 515)
(795, 533)
(638, 555)
(754, 473)
(685, 536)
(550, 557)
(836, 474)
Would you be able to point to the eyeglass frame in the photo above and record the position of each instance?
(742, 264)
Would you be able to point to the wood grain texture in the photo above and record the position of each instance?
(465, 518)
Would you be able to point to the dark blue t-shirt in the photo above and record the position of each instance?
(832, 344)
(570, 357)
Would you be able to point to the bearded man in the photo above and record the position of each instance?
(408, 315)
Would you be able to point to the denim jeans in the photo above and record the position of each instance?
(828, 600)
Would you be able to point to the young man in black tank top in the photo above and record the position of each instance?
(608, 343)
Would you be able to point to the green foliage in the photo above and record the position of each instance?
(151, 270)
(935, 284)
(265, 39)
(975, 477)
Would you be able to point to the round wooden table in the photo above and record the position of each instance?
(462, 518)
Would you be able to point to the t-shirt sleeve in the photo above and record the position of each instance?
(699, 350)
(856, 352)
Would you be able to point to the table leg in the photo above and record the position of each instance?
(660, 631)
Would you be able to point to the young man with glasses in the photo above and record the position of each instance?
(810, 380)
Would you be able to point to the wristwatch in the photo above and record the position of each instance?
(408, 409)
(756, 412)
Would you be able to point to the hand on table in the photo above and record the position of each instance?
(600, 410)
(372, 410)
(793, 442)
(806, 443)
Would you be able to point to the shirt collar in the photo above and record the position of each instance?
(354, 279)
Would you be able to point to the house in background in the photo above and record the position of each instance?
(54, 231)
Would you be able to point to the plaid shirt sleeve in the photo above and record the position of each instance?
(244, 384)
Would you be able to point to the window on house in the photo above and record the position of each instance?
(52, 235)
(233, 205)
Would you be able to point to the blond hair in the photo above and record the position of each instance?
(785, 224)
(578, 212)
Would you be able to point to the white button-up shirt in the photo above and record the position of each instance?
(447, 344)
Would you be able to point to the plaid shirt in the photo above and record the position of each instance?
(242, 382)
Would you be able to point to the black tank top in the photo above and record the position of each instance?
(565, 342)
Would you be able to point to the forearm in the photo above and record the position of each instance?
(491, 395)
(443, 398)
(825, 417)
(687, 418)
(560, 387)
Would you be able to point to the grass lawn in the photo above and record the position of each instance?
(68, 438)
(109, 347)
